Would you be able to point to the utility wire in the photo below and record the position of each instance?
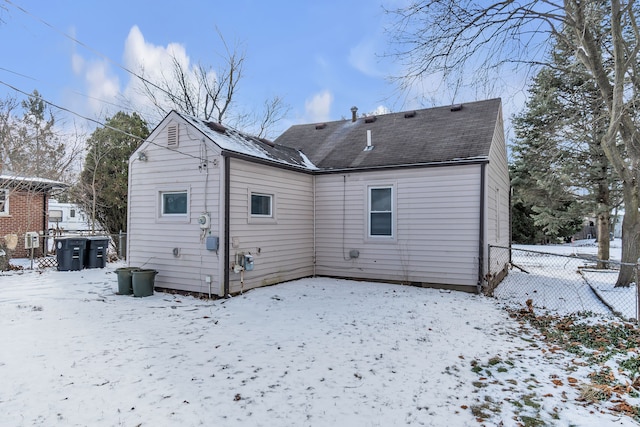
(71, 90)
(69, 111)
(26, 12)
(97, 121)
(89, 48)
(18, 74)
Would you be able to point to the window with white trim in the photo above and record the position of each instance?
(381, 211)
(174, 203)
(4, 202)
(262, 205)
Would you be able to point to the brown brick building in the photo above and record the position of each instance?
(23, 209)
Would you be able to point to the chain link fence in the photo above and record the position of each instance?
(565, 283)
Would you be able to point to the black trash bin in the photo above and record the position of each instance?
(70, 253)
(96, 252)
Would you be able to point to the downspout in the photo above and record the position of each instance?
(510, 226)
(313, 177)
(481, 231)
(45, 225)
(227, 209)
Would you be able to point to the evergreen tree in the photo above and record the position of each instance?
(560, 170)
(539, 173)
(31, 145)
(104, 178)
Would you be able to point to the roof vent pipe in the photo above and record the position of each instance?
(354, 113)
(368, 138)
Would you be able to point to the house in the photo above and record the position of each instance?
(23, 213)
(413, 197)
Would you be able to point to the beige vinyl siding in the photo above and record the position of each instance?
(283, 247)
(151, 239)
(498, 208)
(436, 218)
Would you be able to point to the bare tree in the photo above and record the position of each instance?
(199, 91)
(450, 37)
(262, 123)
(7, 124)
(210, 94)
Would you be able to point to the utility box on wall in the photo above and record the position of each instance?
(212, 243)
(248, 262)
(31, 240)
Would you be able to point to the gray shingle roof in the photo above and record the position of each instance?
(431, 135)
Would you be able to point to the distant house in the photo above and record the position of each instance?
(23, 212)
(413, 197)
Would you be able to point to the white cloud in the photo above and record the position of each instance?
(381, 109)
(156, 64)
(102, 86)
(317, 108)
(77, 63)
(364, 58)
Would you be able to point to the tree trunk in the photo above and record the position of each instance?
(630, 241)
(603, 239)
(603, 215)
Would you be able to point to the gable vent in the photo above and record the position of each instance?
(409, 114)
(172, 135)
(321, 126)
(370, 119)
(457, 107)
(216, 126)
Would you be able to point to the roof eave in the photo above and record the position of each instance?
(455, 162)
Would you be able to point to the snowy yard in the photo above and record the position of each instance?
(564, 283)
(314, 352)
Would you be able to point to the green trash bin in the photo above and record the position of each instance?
(142, 281)
(125, 285)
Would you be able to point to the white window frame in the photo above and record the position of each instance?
(370, 211)
(173, 217)
(259, 218)
(5, 208)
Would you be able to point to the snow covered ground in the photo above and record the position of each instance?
(313, 352)
(566, 284)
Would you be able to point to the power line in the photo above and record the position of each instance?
(72, 90)
(89, 48)
(31, 95)
(18, 74)
(97, 121)
(26, 12)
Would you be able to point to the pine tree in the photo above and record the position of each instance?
(560, 170)
(31, 145)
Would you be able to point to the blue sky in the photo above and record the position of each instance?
(321, 57)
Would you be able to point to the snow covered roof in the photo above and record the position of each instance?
(31, 182)
(234, 141)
